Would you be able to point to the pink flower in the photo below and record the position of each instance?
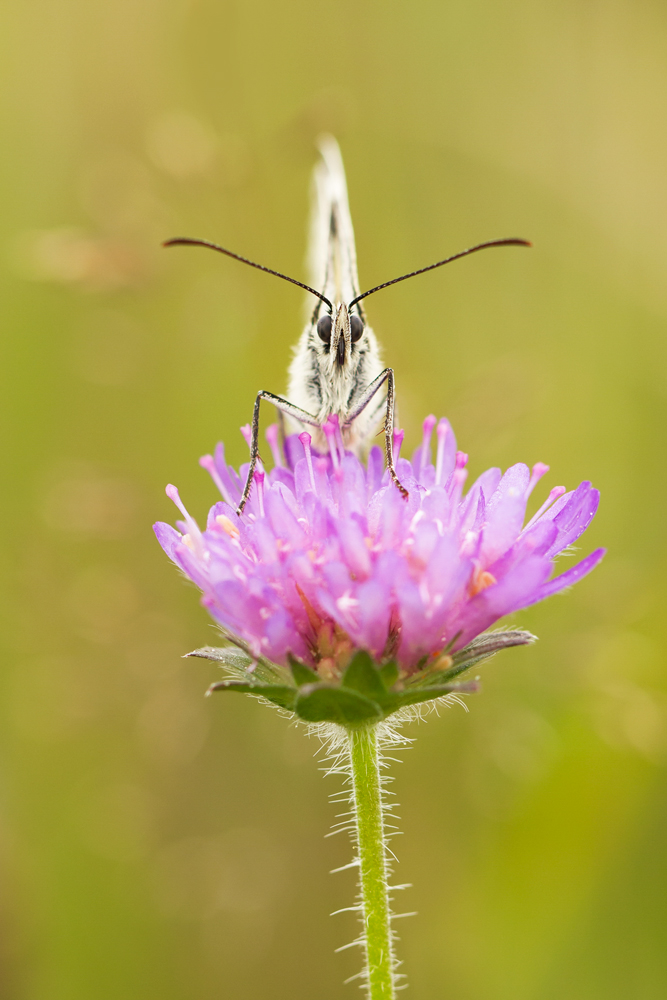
(329, 558)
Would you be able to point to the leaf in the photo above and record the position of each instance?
(228, 656)
(279, 694)
(389, 674)
(363, 676)
(416, 695)
(301, 672)
(324, 703)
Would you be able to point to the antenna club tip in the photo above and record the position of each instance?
(186, 241)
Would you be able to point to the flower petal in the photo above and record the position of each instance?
(505, 512)
(569, 578)
(326, 558)
(574, 517)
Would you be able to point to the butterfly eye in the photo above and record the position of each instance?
(324, 329)
(356, 328)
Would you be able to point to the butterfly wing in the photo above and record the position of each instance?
(332, 256)
(316, 383)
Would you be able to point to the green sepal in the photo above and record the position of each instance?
(325, 703)
(227, 656)
(277, 693)
(416, 695)
(481, 648)
(301, 672)
(439, 677)
(488, 643)
(389, 674)
(240, 662)
(363, 676)
(365, 692)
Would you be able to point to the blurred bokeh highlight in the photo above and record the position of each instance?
(152, 843)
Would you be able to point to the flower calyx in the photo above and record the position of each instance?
(367, 693)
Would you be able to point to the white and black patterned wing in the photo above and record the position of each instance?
(332, 256)
(316, 383)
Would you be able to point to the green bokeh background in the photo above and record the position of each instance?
(153, 844)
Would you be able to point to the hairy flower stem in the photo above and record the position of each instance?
(369, 819)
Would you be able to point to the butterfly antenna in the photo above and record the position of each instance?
(188, 242)
(447, 260)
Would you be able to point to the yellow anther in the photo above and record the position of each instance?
(481, 579)
(227, 526)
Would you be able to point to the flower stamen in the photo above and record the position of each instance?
(442, 431)
(208, 462)
(193, 528)
(338, 435)
(396, 444)
(539, 470)
(228, 526)
(481, 579)
(259, 479)
(458, 478)
(373, 574)
(330, 433)
(555, 494)
(305, 440)
(425, 451)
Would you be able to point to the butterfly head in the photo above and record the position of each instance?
(339, 331)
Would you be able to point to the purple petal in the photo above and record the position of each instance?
(375, 465)
(373, 616)
(391, 523)
(445, 451)
(536, 541)
(167, 536)
(352, 495)
(574, 517)
(279, 474)
(567, 579)
(354, 549)
(287, 497)
(515, 591)
(281, 637)
(505, 512)
(221, 509)
(230, 479)
(282, 519)
(488, 482)
(416, 640)
(293, 450)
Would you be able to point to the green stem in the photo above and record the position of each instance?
(368, 812)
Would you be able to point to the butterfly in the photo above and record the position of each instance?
(336, 375)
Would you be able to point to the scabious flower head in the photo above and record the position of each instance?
(328, 557)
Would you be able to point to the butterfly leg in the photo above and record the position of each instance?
(387, 376)
(283, 406)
